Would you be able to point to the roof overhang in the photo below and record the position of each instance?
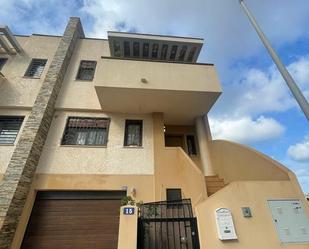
(8, 42)
(154, 47)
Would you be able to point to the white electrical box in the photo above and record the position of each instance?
(225, 224)
(290, 220)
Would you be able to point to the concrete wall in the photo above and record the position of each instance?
(77, 94)
(175, 169)
(184, 131)
(112, 159)
(256, 232)
(159, 75)
(128, 223)
(235, 162)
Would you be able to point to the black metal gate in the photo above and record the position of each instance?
(167, 225)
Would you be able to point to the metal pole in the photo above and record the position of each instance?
(301, 100)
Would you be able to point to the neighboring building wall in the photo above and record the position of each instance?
(112, 159)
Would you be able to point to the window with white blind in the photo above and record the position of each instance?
(9, 128)
(133, 133)
(86, 70)
(86, 131)
(36, 68)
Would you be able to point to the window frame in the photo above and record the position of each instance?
(4, 60)
(127, 123)
(84, 145)
(26, 75)
(173, 189)
(22, 118)
(194, 144)
(79, 70)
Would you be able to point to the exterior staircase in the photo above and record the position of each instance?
(214, 184)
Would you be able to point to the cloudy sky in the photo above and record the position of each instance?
(256, 107)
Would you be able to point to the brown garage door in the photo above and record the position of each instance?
(79, 220)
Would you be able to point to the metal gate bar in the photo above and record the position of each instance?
(167, 225)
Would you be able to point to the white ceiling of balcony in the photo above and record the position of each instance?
(154, 47)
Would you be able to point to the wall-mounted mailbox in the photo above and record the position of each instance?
(225, 224)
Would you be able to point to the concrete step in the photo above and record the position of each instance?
(213, 178)
(214, 184)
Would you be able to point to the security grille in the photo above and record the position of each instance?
(86, 70)
(9, 127)
(86, 131)
(2, 62)
(36, 68)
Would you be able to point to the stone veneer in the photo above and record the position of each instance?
(19, 175)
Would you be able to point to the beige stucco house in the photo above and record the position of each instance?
(85, 122)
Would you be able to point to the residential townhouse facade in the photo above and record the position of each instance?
(85, 122)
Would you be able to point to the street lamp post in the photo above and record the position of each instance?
(301, 100)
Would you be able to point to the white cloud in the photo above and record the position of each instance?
(257, 91)
(37, 16)
(228, 32)
(300, 168)
(302, 174)
(245, 129)
(300, 151)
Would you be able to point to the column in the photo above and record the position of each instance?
(203, 138)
